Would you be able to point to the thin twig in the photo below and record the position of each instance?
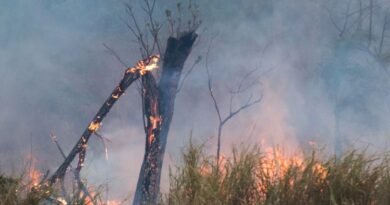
(188, 73)
(78, 180)
(222, 121)
(113, 53)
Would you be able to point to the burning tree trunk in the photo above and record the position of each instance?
(159, 103)
(131, 74)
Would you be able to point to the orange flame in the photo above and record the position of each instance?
(154, 120)
(34, 176)
(94, 126)
(151, 138)
(145, 65)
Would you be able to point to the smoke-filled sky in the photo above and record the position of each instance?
(322, 76)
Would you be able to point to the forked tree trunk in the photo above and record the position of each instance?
(159, 103)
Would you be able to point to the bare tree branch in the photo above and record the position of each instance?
(232, 112)
(370, 23)
(188, 73)
(384, 29)
(103, 140)
(113, 53)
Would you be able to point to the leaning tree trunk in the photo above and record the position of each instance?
(132, 74)
(159, 103)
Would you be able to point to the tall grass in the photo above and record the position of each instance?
(23, 191)
(15, 191)
(248, 176)
(252, 177)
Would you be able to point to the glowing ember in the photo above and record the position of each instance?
(94, 126)
(115, 96)
(151, 138)
(154, 120)
(113, 202)
(62, 201)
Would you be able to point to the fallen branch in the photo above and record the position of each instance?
(131, 75)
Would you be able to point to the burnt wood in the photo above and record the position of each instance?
(176, 53)
(131, 75)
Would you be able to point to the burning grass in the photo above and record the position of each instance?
(25, 190)
(248, 176)
(253, 177)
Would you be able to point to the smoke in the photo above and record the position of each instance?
(56, 73)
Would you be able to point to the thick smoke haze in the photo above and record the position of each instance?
(318, 84)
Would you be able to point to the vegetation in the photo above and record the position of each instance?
(24, 191)
(253, 177)
(14, 191)
(249, 176)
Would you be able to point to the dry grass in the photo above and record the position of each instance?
(251, 177)
(22, 191)
(14, 191)
(248, 177)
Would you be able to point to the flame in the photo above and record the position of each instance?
(154, 120)
(151, 64)
(320, 171)
(145, 65)
(151, 138)
(91, 200)
(95, 200)
(115, 96)
(276, 164)
(206, 169)
(94, 126)
(34, 176)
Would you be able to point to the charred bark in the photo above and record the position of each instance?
(131, 75)
(152, 121)
(176, 53)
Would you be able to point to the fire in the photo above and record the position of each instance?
(34, 176)
(151, 64)
(320, 171)
(145, 65)
(94, 126)
(108, 202)
(275, 164)
(206, 168)
(154, 120)
(115, 96)
(151, 138)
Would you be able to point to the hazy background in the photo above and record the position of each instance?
(317, 84)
